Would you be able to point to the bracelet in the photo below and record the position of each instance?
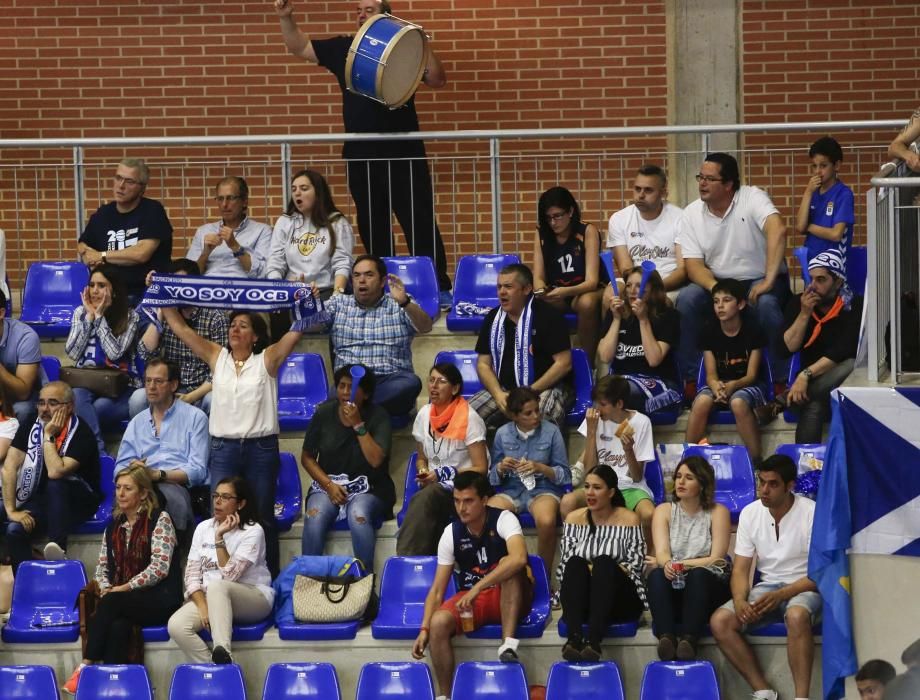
(220, 544)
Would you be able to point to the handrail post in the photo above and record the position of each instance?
(495, 172)
(78, 194)
(285, 173)
(705, 143)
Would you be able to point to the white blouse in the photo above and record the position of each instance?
(243, 405)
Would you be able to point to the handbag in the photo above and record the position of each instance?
(340, 598)
(102, 381)
(87, 601)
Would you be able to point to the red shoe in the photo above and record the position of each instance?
(70, 687)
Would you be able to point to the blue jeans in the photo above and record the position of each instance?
(57, 509)
(363, 510)
(257, 460)
(99, 411)
(695, 306)
(397, 392)
(138, 402)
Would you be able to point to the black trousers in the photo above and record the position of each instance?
(403, 187)
(109, 632)
(690, 607)
(597, 596)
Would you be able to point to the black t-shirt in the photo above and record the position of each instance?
(630, 354)
(82, 448)
(361, 114)
(839, 337)
(108, 229)
(549, 335)
(565, 262)
(732, 353)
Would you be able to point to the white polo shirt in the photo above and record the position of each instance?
(647, 240)
(782, 560)
(733, 245)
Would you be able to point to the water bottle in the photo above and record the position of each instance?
(679, 582)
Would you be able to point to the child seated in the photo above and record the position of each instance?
(732, 355)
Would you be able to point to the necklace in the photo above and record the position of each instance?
(435, 459)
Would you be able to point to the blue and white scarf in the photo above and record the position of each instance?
(239, 294)
(33, 466)
(523, 360)
(658, 394)
(352, 487)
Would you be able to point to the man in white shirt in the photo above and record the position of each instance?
(731, 231)
(776, 529)
(647, 229)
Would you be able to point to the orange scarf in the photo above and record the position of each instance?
(452, 422)
(832, 314)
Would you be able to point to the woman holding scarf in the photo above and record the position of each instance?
(450, 438)
(138, 577)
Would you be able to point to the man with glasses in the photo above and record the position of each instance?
(235, 246)
(131, 232)
(50, 477)
(170, 439)
(731, 231)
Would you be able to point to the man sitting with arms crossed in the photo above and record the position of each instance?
(485, 550)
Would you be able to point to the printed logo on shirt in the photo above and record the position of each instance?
(308, 242)
(644, 252)
(122, 238)
(829, 211)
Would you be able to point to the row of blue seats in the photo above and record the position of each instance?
(473, 680)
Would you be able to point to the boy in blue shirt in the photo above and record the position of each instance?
(825, 215)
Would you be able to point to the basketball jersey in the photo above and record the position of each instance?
(565, 262)
(475, 557)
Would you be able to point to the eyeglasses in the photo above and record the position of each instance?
(438, 380)
(556, 217)
(52, 403)
(221, 497)
(708, 178)
(129, 181)
(221, 198)
(156, 381)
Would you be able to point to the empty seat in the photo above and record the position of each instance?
(44, 606)
(288, 493)
(51, 293)
(734, 474)
(52, 367)
(584, 681)
(403, 587)
(583, 380)
(725, 416)
(130, 682)
(291, 630)
(107, 483)
(421, 281)
(536, 620)
(301, 681)
(490, 680)
(410, 489)
(207, 682)
(302, 386)
(465, 361)
(475, 283)
(26, 682)
(807, 456)
(679, 680)
(382, 680)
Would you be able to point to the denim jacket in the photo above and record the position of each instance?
(545, 446)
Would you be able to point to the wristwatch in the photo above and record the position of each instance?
(361, 430)
(162, 476)
(807, 372)
(408, 301)
(240, 253)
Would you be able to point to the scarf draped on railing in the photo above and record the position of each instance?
(33, 466)
(523, 360)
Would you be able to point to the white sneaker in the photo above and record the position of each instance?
(53, 552)
(765, 695)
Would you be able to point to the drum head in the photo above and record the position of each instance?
(404, 65)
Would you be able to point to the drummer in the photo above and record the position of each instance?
(398, 185)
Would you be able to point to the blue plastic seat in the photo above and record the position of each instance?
(421, 281)
(475, 282)
(583, 380)
(27, 683)
(288, 493)
(44, 606)
(857, 267)
(301, 681)
(51, 293)
(207, 682)
(383, 680)
(778, 628)
(807, 456)
(410, 489)
(490, 680)
(321, 631)
(734, 474)
(597, 681)
(465, 361)
(614, 629)
(104, 682)
(655, 479)
(795, 366)
(725, 416)
(679, 680)
(241, 633)
(52, 367)
(403, 588)
(98, 522)
(535, 622)
(302, 386)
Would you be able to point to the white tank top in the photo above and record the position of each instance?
(243, 405)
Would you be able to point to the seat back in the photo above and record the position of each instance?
(585, 681)
(52, 291)
(288, 493)
(583, 378)
(807, 456)
(477, 276)
(382, 680)
(107, 484)
(734, 474)
(405, 585)
(420, 279)
(857, 267)
(113, 682)
(410, 489)
(45, 593)
(465, 361)
(302, 386)
(655, 479)
(52, 367)
(490, 680)
(301, 681)
(679, 680)
(26, 682)
(207, 682)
